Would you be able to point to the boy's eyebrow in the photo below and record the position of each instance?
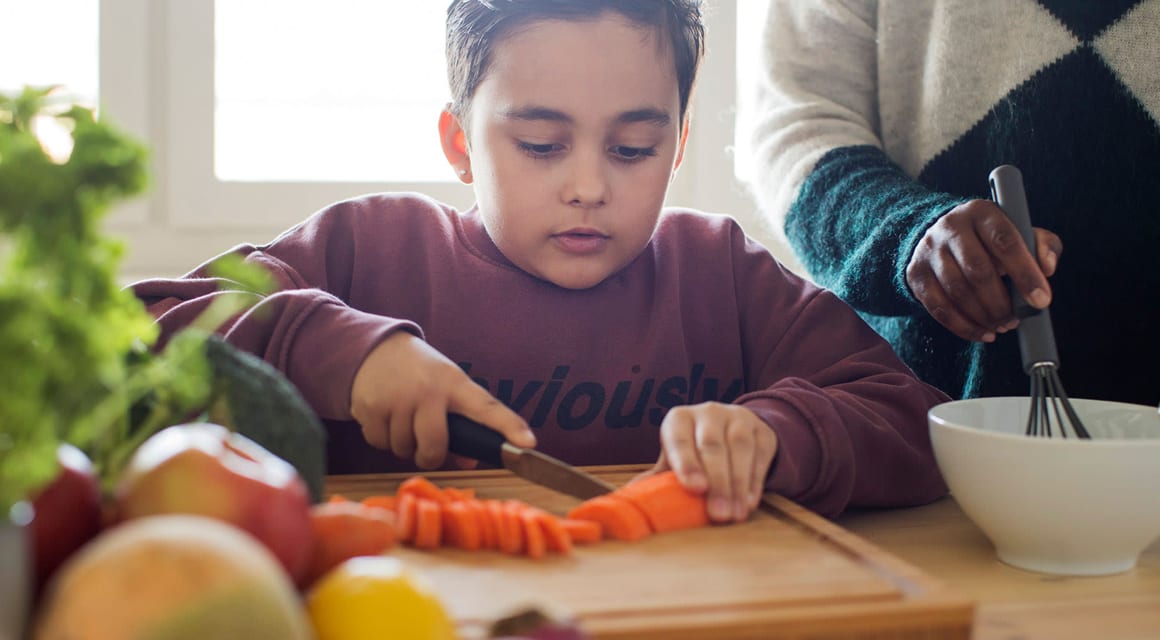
(652, 116)
(658, 117)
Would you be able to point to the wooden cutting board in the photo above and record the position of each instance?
(785, 573)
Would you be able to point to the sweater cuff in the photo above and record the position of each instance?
(924, 220)
(798, 461)
(331, 343)
(856, 222)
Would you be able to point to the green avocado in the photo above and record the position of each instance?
(257, 401)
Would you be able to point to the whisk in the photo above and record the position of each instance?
(1051, 411)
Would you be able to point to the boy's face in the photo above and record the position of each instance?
(574, 137)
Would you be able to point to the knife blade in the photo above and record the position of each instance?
(473, 440)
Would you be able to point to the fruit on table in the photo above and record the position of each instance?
(205, 469)
(67, 513)
(376, 597)
(171, 577)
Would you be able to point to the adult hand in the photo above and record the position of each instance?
(403, 392)
(720, 450)
(957, 268)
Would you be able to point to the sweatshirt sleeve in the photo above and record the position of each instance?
(304, 329)
(850, 417)
(851, 214)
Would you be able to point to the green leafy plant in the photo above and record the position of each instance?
(76, 347)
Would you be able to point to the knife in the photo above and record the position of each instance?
(473, 440)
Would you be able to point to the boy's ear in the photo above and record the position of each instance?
(454, 141)
(681, 144)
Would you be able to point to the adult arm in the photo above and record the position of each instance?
(851, 214)
(859, 223)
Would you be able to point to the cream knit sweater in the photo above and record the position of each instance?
(872, 119)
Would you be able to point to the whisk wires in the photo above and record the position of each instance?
(1049, 399)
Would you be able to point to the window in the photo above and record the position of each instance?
(259, 112)
(298, 97)
(347, 80)
(50, 51)
(95, 50)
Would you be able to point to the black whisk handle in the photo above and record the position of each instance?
(1036, 337)
(1007, 191)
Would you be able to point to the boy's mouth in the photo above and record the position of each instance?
(581, 240)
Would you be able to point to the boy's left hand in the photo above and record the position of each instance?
(721, 450)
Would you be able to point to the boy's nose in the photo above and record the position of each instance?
(587, 184)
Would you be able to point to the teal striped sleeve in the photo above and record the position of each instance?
(855, 223)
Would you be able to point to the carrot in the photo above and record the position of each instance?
(343, 530)
(581, 531)
(488, 528)
(337, 498)
(408, 516)
(460, 527)
(511, 537)
(618, 518)
(555, 537)
(421, 487)
(529, 518)
(428, 524)
(459, 495)
(666, 504)
(390, 503)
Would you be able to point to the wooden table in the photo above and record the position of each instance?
(942, 544)
(1013, 604)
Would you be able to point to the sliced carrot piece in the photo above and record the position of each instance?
(511, 538)
(581, 531)
(459, 495)
(460, 527)
(618, 518)
(337, 498)
(408, 516)
(421, 487)
(390, 503)
(535, 544)
(666, 503)
(555, 537)
(428, 524)
(488, 528)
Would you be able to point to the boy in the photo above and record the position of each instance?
(565, 303)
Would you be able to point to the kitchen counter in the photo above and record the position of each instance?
(1013, 603)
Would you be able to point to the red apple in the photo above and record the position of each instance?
(66, 513)
(206, 469)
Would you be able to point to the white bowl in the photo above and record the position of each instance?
(1052, 505)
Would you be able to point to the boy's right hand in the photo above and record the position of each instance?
(403, 392)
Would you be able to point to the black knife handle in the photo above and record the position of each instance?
(468, 438)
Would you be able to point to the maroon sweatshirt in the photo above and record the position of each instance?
(704, 313)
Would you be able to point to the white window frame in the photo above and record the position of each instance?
(123, 81)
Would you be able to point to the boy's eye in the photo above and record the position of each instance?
(539, 150)
(632, 153)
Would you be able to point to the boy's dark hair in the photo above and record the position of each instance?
(475, 26)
